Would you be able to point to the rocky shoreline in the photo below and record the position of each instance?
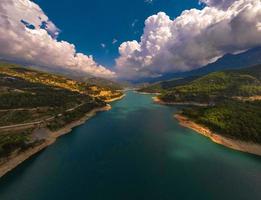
(227, 142)
(15, 160)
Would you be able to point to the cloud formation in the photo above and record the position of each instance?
(192, 40)
(27, 35)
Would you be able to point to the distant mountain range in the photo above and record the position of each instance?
(249, 58)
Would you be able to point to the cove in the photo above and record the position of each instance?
(135, 151)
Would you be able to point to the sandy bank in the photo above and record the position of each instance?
(159, 101)
(155, 93)
(230, 143)
(14, 160)
(252, 98)
(115, 99)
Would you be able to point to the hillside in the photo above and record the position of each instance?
(227, 102)
(251, 57)
(233, 119)
(165, 85)
(32, 100)
(110, 85)
(216, 86)
(101, 91)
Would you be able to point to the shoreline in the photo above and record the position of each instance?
(115, 99)
(16, 160)
(157, 100)
(238, 145)
(147, 93)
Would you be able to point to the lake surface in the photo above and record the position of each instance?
(136, 151)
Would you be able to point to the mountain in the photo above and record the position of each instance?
(242, 83)
(249, 58)
(36, 106)
(105, 83)
(77, 76)
(165, 85)
(101, 91)
(226, 102)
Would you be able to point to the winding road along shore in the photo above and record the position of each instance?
(14, 160)
(227, 142)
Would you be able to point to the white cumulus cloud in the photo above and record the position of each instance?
(27, 35)
(192, 40)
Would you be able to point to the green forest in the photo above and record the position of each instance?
(233, 119)
(232, 99)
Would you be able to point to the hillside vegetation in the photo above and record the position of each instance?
(233, 119)
(217, 86)
(232, 99)
(108, 84)
(31, 99)
(165, 85)
(102, 91)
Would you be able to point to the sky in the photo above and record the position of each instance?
(93, 25)
(124, 39)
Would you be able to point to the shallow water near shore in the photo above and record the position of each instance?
(135, 151)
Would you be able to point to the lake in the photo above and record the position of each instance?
(135, 151)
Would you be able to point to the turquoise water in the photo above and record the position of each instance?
(136, 151)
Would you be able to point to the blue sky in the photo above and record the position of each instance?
(90, 23)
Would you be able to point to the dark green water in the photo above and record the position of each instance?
(136, 151)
